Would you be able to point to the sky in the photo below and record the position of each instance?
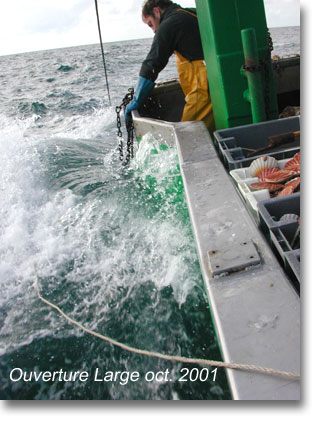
(33, 25)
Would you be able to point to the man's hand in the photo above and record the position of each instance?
(144, 88)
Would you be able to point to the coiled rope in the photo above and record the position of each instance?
(102, 50)
(221, 364)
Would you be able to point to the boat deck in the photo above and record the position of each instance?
(254, 305)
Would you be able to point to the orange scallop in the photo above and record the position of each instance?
(280, 176)
(266, 185)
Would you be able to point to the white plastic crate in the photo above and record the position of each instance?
(243, 179)
(241, 174)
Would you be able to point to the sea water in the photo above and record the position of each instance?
(111, 245)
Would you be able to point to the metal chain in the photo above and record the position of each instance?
(263, 65)
(119, 132)
(129, 143)
(129, 128)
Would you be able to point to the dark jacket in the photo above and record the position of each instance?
(178, 31)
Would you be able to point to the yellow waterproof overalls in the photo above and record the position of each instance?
(194, 83)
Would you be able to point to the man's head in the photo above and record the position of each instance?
(152, 11)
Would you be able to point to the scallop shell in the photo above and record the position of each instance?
(297, 157)
(294, 183)
(280, 176)
(259, 164)
(265, 185)
(288, 190)
(267, 172)
(294, 164)
(289, 217)
(290, 187)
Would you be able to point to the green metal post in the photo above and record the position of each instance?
(255, 93)
(221, 23)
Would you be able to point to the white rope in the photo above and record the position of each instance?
(221, 364)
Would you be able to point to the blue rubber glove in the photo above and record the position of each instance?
(142, 91)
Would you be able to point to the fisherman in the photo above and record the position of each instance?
(176, 31)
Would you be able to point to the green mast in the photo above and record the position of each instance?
(234, 34)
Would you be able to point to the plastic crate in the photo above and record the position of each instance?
(271, 211)
(232, 143)
(252, 197)
(282, 239)
(241, 175)
(293, 264)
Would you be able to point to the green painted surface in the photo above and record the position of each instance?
(254, 94)
(221, 23)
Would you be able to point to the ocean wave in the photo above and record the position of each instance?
(65, 68)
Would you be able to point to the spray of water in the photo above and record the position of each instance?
(98, 232)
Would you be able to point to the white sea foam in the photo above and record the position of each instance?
(84, 241)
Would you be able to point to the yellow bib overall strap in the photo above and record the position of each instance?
(194, 83)
(187, 11)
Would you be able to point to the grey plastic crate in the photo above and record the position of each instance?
(232, 143)
(271, 211)
(288, 251)
(293, 264)
(282, 239)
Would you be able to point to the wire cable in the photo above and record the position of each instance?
(102, 51)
